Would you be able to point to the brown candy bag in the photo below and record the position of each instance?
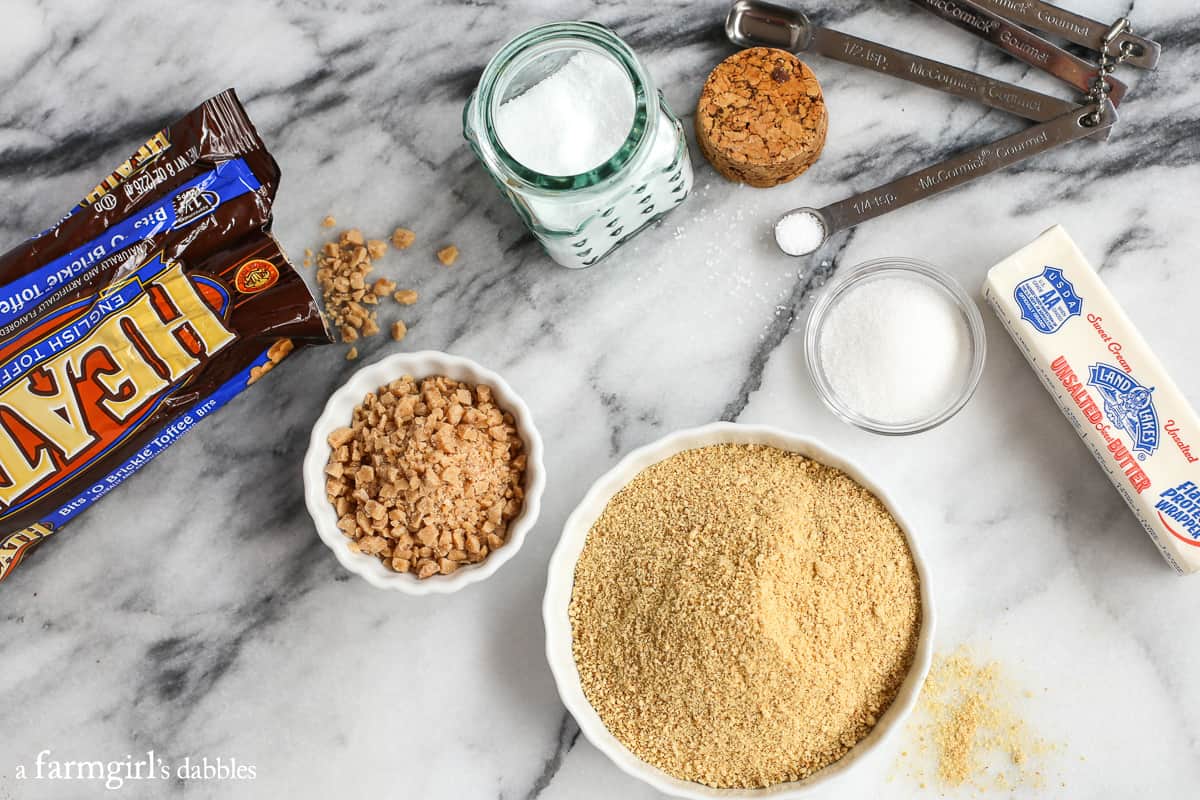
(156, 300)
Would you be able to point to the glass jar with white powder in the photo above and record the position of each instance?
(569, 124)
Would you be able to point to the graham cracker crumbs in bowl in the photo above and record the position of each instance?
(743, 616)
(448, 255)
(968, 733)
(428, 475)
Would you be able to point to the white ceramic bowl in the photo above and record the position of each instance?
(562, 578)
(338, 412)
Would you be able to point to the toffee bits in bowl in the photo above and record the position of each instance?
(736, 608)
(425, 483)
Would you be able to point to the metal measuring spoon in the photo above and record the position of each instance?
(795, 231)
(1138, 50)
(753, 23)
(1022, 44)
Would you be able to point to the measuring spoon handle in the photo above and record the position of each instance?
(1018, 100)
(1076, 28)
(1021, 44)
(965, 167)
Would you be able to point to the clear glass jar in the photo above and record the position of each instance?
(579, 219)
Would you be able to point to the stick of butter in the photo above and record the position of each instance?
(1112, 388)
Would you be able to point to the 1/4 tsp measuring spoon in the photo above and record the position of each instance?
(752, 23)
(803, 230)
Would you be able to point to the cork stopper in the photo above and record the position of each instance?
(761, 118)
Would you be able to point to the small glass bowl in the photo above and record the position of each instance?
(894, 268)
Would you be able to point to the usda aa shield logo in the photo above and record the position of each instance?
(1048, 300)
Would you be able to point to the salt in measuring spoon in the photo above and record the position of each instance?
(753, 23)
(803, 230)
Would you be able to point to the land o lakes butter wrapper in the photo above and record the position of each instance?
(159, 297)
(1112, 388)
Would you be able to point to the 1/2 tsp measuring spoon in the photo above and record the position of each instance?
(753, 23)
(791, 230)
(1022, 44)
(1138, 50)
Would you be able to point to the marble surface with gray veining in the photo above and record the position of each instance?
(195, 613)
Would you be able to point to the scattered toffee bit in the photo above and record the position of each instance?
(328, 222)
(376, 248)
(402, 238)
(447, 255)
(399, 330)
(742, 616)
(341, 274)
(761, 118)
(428, 475)
(352, 353)
(343, 267)
(276, 353)
(966, 725)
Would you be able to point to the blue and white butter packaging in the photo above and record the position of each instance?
(1112, 388)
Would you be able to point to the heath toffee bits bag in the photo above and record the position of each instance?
(146, 308)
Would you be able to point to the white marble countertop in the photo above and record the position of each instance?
(195, 612)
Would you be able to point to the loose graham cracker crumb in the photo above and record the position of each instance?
(328, 222)
(717, 615)
(965, 721)
(447, 255)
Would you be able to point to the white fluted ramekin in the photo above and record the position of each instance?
(338, 413)
(562, 579)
